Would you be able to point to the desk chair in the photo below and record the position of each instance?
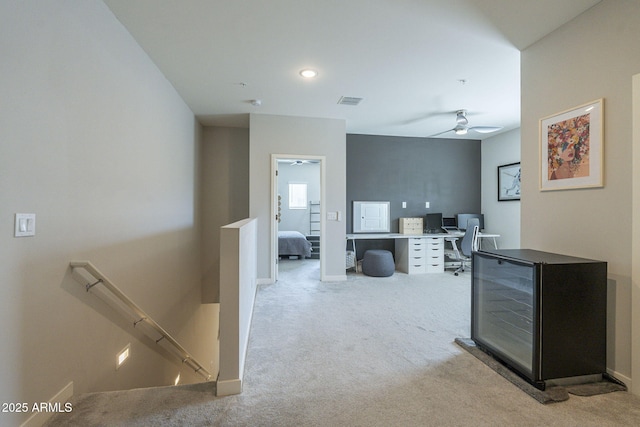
(468, 245)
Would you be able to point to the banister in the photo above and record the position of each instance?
(139, 315)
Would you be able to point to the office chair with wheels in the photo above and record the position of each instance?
(468, 245)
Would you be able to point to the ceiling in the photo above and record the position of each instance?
(413, 62)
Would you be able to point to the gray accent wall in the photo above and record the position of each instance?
(444, 172)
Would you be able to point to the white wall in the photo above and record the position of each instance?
(594, 56)
(500, 217)
(635, 275)
(223, 195)
(97, 143)
(301, 136)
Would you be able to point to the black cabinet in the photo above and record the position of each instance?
(542, 314)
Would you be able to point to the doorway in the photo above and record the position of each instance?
(298, 208)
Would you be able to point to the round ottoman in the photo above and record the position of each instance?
(378, 263)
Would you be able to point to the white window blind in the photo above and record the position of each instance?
(297, 195)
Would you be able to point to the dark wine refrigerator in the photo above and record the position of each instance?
(542, 314)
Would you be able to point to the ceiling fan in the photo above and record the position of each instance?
(303, 162)
(461, 127)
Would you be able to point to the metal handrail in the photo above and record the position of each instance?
(139, 314)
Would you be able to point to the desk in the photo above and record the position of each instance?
(418, 253)
(415, 253)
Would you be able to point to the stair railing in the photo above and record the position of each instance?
(153, 330)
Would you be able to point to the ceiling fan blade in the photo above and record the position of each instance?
(485, 129)
(426, 116)
(440, 133)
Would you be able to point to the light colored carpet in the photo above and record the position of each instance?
(365, 352)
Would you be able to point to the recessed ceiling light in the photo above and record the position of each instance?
(308, 73)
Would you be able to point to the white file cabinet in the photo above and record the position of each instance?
(434, 254)
(419, 255)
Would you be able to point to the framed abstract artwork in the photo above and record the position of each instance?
(509, 182)
(571, 148)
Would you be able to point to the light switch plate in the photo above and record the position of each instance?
(25, 225)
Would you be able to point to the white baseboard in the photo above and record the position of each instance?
(626, 380)
(266, 281)
(37, 419)
(228, 387)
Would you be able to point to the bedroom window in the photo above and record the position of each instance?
(297, 195)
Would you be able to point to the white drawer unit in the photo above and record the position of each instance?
(419, 255)
(416, 245)
(434, 255)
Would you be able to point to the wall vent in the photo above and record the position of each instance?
(349, 100)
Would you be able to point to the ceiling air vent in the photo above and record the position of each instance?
(349, 100)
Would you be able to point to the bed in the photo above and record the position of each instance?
(293, 243)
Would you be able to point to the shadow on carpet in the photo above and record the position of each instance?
(552, 394)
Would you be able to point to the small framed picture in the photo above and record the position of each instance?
(571, 148)
(509, 182)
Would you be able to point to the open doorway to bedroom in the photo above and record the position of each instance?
(298, 207)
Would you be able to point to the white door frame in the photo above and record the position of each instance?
(274, 209)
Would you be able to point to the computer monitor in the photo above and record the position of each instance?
(433, 223)
(463, 218)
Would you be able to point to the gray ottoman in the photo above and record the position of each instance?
(378, 263)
